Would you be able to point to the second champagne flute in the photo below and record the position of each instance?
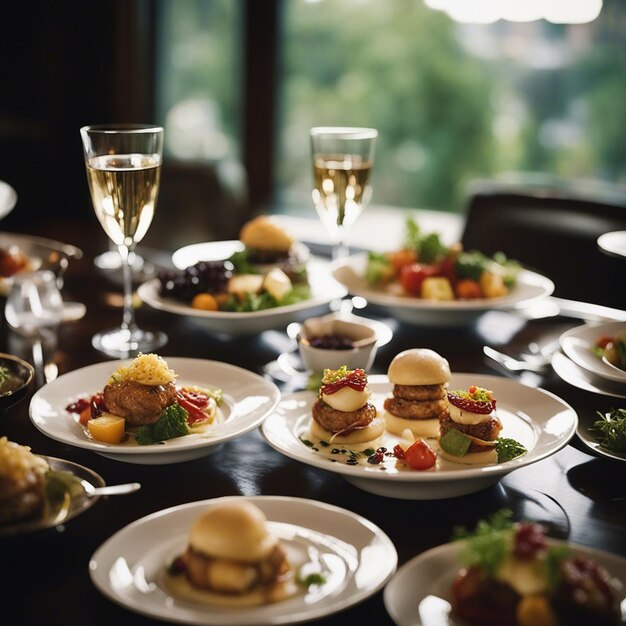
(123, 170)
(343, 159)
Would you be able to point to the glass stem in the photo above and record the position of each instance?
(128, 318)
(340, 249)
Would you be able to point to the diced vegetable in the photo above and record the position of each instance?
(420, 455)
(455, 442)
(492, 285)
(437, 288)
(243, 284)
(277, 283)
(379, 269)
(468, 289)
(413, 276)
(108, 428)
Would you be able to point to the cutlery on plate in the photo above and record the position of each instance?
(110, 490)
(513, 364)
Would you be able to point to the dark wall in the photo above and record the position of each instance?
(63, 65)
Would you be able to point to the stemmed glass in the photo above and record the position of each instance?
(343, 159)
(34, 306)
(123, 170)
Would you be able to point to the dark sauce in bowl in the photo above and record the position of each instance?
(331, 342)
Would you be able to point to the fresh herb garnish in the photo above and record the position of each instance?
(333, 376)
(4, 374)
(487, 546)
(429, 247)
(314, 578)
(611, 428)
(508, 449)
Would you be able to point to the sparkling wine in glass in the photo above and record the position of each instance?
(123, 171)
(343, 159)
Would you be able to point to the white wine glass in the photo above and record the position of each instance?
(343, 159)
(123, 170)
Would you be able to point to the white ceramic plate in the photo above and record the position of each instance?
(419, 593)
(248, 399)
(529, 288)
(356, 556)
(324, 289)
(613, 243)
(578, 344)
(8, 198)
(581, 378)
(539, 420)
(74, 502)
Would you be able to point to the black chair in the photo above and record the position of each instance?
(552, 231)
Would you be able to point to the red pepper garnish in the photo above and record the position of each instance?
(357, 380)
(193, 403)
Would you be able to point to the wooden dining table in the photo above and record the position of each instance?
(580, 497)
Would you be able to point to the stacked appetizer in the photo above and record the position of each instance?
(343, 414)
(419, 378)
(232, 559)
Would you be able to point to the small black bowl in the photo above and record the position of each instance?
(15, 377)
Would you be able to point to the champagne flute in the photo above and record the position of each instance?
(123, 170)
(343, 159)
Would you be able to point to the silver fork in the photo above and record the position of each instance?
(513, 364)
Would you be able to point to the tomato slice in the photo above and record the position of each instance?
(420, 455)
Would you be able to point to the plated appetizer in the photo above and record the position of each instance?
(513, 576)
(141, 402)
(342, 414)
(610, 430)
(420, 377)
(469, 432)
(269, 272)
(426, 268)
(232, 559)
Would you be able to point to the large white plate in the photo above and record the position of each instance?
(419, 594)
(324, 289)
(529, 288)
(536, 418)
(578, 344)
(248, 399)
(587, 435)
(356, 555)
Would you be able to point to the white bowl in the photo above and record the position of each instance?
(361, 355)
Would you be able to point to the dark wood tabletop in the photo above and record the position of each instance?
(582, 498)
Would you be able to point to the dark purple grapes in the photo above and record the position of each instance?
(331, 342)
(203, 277)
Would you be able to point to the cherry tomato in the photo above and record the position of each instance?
(412, 276)
(420, 455)
(467, 289)
(603, 342)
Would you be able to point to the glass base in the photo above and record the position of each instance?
(122, 344)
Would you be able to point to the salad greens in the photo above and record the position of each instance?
(264, 300)
(429, 247)
(171, 423)
(611, 429)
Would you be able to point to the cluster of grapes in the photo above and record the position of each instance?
(203, 277)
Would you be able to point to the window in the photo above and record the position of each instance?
(452, 102)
